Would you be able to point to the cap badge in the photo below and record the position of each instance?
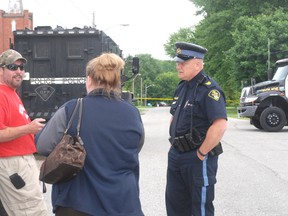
(214, 94)
(179, 51)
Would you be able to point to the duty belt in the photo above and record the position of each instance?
(186, 143)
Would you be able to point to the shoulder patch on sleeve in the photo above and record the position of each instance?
(214, 94)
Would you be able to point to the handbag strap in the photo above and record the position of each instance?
(80, 116)
(79, 101)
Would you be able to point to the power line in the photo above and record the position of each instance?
(44, 8)
(85, 14)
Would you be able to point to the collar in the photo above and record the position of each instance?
(102, 92)
(197, 80)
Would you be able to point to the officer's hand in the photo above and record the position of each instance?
(200, 156)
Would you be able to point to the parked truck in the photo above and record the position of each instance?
(266, 103)
(57, 58)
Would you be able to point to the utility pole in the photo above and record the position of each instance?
(146, 93)
(93, 21)
(268, 61)
(141, 92)
(133, 87)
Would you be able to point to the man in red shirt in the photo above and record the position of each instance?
(20, 190)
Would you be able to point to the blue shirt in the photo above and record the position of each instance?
(206, 101)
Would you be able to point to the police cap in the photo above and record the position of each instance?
(186, 51)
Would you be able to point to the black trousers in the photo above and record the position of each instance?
(2, 210)
(190, 184)
(62, 211)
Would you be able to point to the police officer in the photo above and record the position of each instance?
(198, 124)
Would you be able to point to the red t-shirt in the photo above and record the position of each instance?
(13, 114)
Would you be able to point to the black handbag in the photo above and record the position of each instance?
(68, 157)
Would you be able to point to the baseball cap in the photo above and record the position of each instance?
(10, 56)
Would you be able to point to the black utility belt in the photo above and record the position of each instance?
(186, 143)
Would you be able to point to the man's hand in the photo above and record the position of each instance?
(36, 125)
(201, 157)
(10, 133)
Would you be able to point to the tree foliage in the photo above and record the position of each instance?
(184, 34)
(236, 34)
(165, 85)
(240, 7)
(159, 73)
(252, 35)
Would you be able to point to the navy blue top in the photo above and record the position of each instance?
(113, 133)
(209, 104)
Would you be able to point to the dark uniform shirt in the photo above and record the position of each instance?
(206, 101)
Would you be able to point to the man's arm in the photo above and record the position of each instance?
(11, 133)
(213, 136)
(52, 133)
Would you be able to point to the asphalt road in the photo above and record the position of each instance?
(252, 173)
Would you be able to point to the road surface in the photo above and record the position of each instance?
(252, 173)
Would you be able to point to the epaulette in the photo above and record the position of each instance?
(208, 83)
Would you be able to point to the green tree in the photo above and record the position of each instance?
(184, 34)
(236, 34)
(240, 7)
(165, 85)
(151, 71)
(250, 52)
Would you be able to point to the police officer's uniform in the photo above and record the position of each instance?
(190, 181)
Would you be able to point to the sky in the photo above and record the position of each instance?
(150, 22)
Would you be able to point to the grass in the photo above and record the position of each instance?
(232, 112)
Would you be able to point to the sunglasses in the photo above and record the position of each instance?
(14, 67)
